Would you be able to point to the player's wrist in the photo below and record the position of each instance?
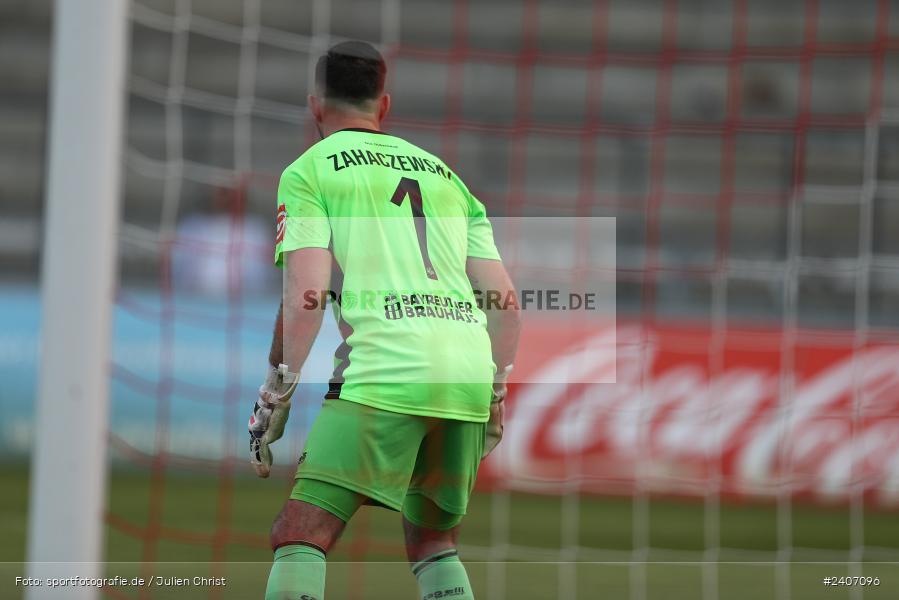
(278, 387)
(499, 383)
(282, 373)
(286, 376)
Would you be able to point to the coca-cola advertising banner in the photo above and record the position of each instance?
(742, 412)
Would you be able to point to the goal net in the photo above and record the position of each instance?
(748, 153)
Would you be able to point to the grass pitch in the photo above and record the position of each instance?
(186, 525)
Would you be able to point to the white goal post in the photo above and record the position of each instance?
(68, 472)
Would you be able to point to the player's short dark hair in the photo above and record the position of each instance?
(352, 72)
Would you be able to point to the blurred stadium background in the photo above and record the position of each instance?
(749, 150)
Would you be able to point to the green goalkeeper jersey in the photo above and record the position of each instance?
(400, 226)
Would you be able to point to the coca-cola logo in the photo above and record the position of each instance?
(823, 424)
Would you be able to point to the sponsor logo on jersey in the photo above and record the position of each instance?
(392, 308)
(431, 306)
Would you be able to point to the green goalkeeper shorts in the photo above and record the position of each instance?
(423, 466)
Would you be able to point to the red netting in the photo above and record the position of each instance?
(646, 264)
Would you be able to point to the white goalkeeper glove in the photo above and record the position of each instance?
(270, 416)
(494, 432)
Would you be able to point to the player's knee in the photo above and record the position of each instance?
(422, 542)
(285, 532)
(282, 532)
(299, 522)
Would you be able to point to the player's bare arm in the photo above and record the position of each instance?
(306, 269)
(276, 354)
(504, 316)
(503, 327)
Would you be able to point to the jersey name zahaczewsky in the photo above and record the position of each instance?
(407, 163)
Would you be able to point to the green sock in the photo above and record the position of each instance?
(441, 575)
(298, 574)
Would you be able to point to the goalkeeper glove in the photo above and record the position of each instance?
(494, 432)
(270, 416)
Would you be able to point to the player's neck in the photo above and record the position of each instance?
(336, 123)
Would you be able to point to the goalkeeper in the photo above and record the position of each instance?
(415, 401)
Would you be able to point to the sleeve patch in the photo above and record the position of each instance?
(281, 224)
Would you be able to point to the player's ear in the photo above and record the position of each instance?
(383, 106)
(315, 105)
